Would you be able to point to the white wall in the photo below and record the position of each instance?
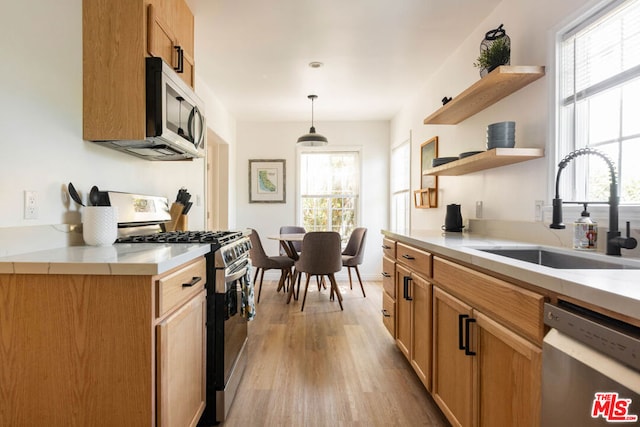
(510, 192)
(260, 140)
(41, 122)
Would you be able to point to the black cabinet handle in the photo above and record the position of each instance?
(177, 67)
(180, 67)
(192, 282)
(406, 288)
(386, 247)
(461, 317)
(385, 313)
(385, 274)
(407, 256)
(467, 351)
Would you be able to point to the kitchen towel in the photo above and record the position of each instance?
(248, 310)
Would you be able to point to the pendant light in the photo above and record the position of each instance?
(312, 139)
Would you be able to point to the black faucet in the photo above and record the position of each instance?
(614, 241)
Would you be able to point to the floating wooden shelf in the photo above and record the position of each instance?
(487, 160)
(499, 83)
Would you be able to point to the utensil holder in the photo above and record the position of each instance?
(100, 225)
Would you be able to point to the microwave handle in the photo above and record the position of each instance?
(196, 113)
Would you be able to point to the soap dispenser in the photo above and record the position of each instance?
(585, 232)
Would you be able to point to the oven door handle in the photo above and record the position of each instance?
(236, 275)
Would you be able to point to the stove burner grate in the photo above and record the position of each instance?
(214, 237)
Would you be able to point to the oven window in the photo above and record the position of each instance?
(231, 300)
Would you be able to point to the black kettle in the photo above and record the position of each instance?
(453, 219)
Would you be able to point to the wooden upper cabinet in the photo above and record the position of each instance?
(115, 42)
(170, 35)
(161, 41)
(113, 70)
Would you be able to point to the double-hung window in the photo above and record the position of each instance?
(400, 183)
(330, 189)
(599, 101)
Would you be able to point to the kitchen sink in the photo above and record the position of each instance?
(563, 260)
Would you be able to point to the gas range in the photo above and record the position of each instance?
(140, 220)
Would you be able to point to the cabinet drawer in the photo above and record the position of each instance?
(416, 259)
(176, 287)
(517, 308)
(388, 276)
(389, 247)
(389, 313)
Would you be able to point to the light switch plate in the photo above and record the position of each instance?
(479, 209)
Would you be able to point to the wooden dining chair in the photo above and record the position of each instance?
(353, 254)
(262, 262)
(320, 257)
(292, 229)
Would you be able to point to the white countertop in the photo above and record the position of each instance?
(118, 259)
(616, 290)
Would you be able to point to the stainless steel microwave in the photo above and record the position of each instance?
(175, 121)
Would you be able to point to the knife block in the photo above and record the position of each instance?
(175, 212)
(181, 223)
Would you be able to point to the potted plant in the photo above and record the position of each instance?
(495, 50)
(498, 53)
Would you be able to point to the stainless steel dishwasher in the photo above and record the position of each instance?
(590, 369)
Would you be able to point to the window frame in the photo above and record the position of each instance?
(599, 212)
(300, 150)
(407, 144)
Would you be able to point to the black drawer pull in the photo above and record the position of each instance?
(461, 317)
(385, 313)
(386, 247)
(385, 274)
(407, 256)
(467, 351)
(192, 282)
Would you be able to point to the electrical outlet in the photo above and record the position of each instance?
(538, 210)
(479, 209)
(30, 204)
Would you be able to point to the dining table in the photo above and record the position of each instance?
(286, 242)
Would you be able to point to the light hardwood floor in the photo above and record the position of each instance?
(324, 367)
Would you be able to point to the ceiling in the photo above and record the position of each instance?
(254, 54)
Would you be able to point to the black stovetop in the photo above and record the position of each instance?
(213, 237)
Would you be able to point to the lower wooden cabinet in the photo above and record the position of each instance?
(474, 340)
(509, 373)
(80, 350)
(421, 329)
(389, 313)
(181, 347)
(413, 317)
(452, 368)
(389, 286)
(484, 374)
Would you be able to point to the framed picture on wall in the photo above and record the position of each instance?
(267, 181)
